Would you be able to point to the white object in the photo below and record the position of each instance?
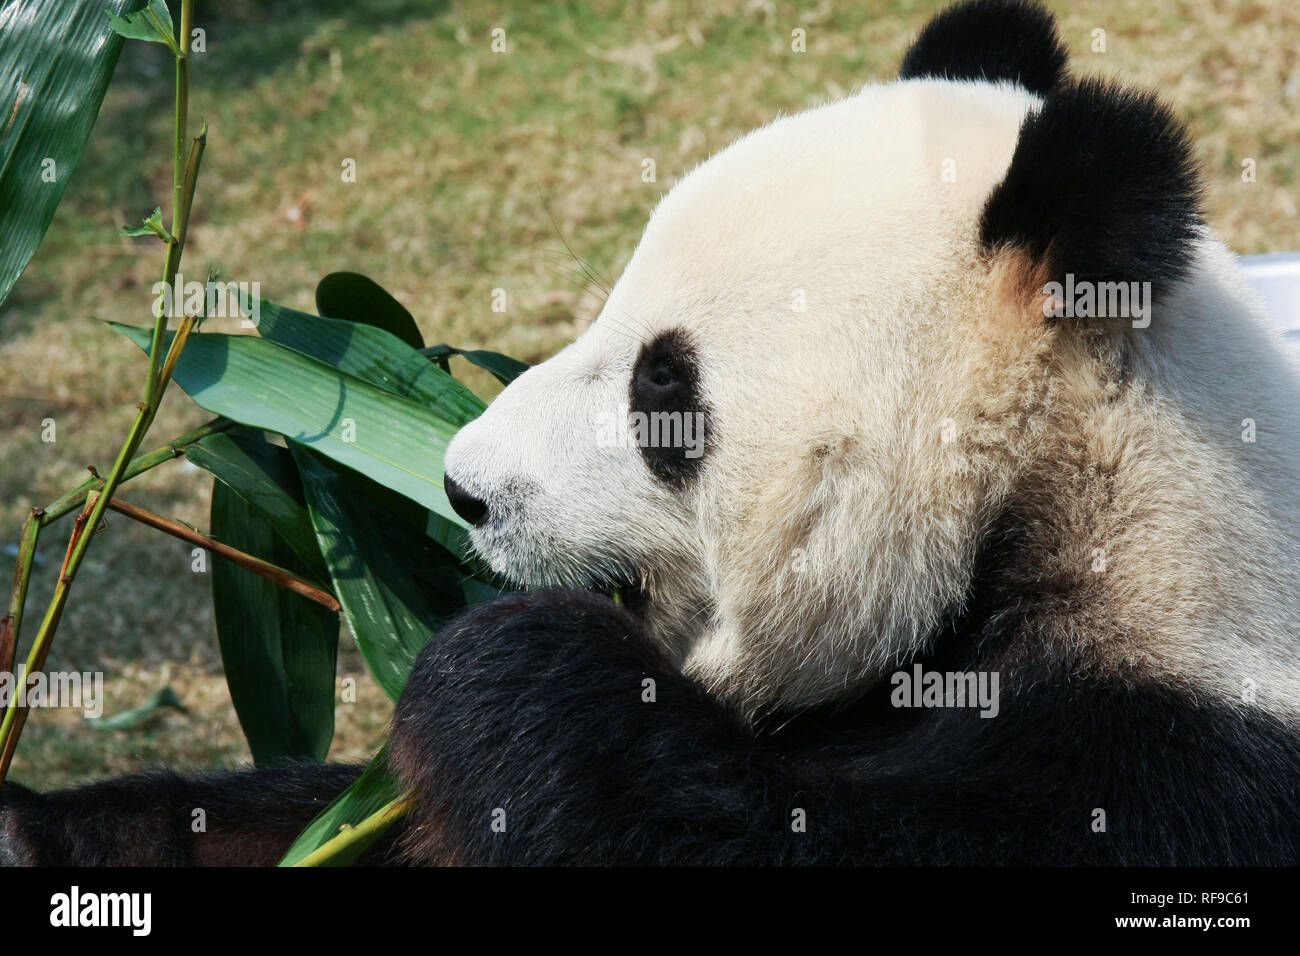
(1275, 277)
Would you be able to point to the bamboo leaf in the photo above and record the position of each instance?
(56, 58)
(153, 24)
(377, 357)
(351, 296)
(278, 649)
(397, 587)
(266, 477)
(153, 226)
(505, 368)
(129, 719)
(371, 354)
(393, 440)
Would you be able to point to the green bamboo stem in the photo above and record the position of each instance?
(15, 717)
(197, 146)
(373, 825)
(180, 207)
(38, 519)
(18, 595)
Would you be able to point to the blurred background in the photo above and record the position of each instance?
(473, 171)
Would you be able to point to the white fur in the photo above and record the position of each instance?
(832, 526)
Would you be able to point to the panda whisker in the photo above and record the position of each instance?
(591, 273)
(609, 321)
(590, 279)
(575, 279)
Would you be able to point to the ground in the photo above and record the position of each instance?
(473, 169)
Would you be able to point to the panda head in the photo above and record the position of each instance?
(827, 363)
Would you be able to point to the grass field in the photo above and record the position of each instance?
(470, 168)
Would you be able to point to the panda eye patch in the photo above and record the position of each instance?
(666, 410)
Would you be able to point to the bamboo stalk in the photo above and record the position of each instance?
(180, 207)
(15, 717)
(8, 643)
(376, 823)
(92, 514)
(13, 621)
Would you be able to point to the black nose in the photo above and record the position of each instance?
(473, 510)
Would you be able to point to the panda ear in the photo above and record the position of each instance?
(1102, 187)
(990, 40)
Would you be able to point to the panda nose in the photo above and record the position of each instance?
(474, 510)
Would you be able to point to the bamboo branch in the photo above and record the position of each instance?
(174, 353)
(73, 499)
(272, 572)
(197, 146)
(11, 624)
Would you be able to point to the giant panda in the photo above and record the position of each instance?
(910, 457)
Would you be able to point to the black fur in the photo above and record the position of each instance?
(1103, 185)
(533, 705)
(989, 40)
(666, 379)
(251, 818)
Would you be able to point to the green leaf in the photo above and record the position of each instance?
(397, 587)
(153, 226)
(505, 368)
(56, 58)
(278, 648)
(371, 354)
(351, 296)
(153, 24)
(255, 382)
(372, 790)
(379, 358)
(266, 477)
(128, 719)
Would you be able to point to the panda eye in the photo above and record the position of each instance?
(662, 377)
(667, 409)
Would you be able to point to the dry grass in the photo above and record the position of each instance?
(463, 158)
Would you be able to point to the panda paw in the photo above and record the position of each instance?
(524, 661)
(515, 707)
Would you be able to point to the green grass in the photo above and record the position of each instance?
(464, 157)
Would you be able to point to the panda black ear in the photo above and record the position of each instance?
(990, 40)
(1103, 186)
